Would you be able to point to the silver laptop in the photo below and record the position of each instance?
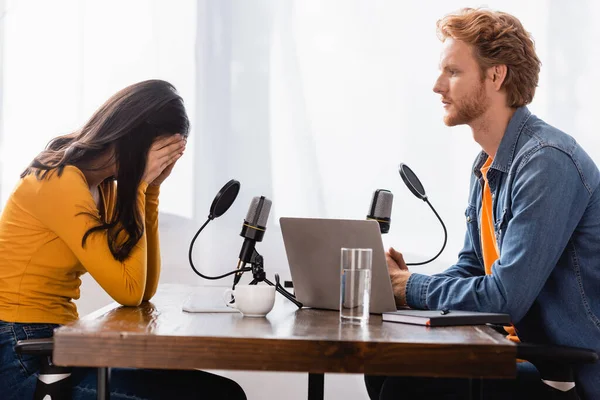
(313, 251)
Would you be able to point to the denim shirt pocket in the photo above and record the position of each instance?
(473, 230)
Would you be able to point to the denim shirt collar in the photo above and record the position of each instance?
(508, 144)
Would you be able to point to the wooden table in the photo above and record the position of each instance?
(159, 334)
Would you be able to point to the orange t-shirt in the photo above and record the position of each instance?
(489, 246)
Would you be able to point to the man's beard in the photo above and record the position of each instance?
(472, 107)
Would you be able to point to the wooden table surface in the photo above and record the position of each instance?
(159, 334)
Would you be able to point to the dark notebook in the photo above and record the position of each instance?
(445, 318)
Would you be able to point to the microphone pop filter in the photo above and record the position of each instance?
(412, 182)
(224, 199)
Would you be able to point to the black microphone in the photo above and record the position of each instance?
(253, 230)
(254, 226)
(381, 209)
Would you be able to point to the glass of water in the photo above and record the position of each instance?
(355, 285)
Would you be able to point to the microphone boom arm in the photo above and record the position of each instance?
(445, 237)
(191, 260)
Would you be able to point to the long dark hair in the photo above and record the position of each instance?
(127, 124)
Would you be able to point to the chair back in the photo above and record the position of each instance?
(54, 382)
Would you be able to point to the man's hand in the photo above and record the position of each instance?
(399, 275)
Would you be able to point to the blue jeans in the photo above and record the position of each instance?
(18, 375)
(527, 385)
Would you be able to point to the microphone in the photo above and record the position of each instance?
(253, 230)
(381, 209)
(254, 226)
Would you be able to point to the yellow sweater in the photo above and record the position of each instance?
(42, 259)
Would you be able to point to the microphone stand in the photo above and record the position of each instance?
(259, 275)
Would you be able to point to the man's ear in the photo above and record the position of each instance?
(497, 74)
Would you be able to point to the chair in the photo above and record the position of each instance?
(555, 365)
(53, 382)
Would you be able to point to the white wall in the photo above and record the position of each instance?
(312, 103)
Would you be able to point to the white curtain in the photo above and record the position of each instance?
(311, 103)
(323, 99)
(63, 59)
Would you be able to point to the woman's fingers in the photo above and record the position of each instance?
(166, 140)
(164, 151)
(170, 160)
(171, 147)
(166, 155)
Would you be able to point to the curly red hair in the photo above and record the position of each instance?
(497, 38)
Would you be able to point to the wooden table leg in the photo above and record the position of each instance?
(316, 386)
(103, 384)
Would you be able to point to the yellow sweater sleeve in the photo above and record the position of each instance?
(64, 205)
(152, 242)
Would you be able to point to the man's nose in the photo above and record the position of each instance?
(438, 87)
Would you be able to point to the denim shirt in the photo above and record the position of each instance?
(546, 214)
